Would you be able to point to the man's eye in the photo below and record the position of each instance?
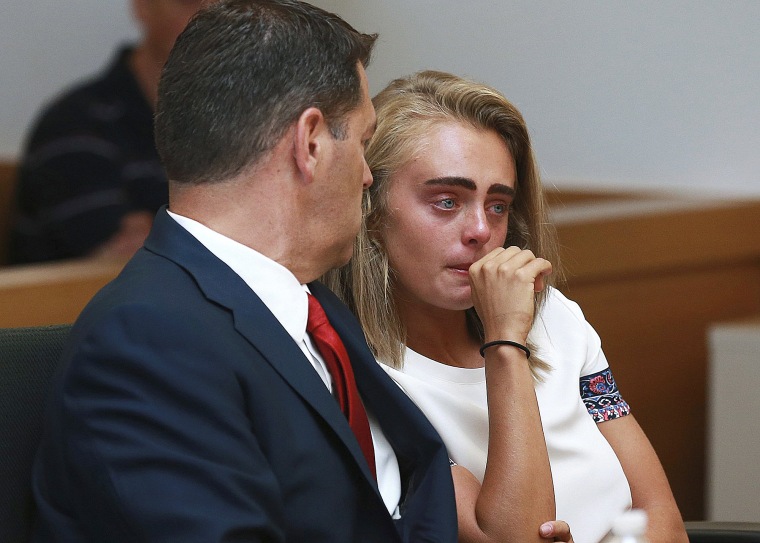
(447, 203)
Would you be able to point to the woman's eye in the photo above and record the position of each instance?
(500, 208)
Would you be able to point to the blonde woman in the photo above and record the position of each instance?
(451, 279)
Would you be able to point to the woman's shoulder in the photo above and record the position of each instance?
(559, 306)
(562, 326)
(562, 334)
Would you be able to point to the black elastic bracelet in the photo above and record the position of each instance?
(504, 342)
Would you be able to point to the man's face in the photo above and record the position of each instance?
(162, 21)
(345, 178)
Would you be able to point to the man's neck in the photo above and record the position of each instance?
(231, 208)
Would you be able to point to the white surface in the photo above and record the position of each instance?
(626, 94)
(733, 458)
(634, 94)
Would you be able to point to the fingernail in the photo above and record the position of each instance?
(546, 528)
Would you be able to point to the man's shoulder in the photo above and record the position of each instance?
(99, 98)
(145, 277)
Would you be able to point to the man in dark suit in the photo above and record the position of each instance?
(193, 405)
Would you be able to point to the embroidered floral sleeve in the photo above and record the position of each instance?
(602, 397)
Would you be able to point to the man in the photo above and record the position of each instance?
(90, 180)
(193, 405)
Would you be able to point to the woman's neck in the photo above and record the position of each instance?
(441, 335)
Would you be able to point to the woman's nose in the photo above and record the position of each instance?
(477, 230)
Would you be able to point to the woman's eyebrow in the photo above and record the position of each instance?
(453, 181)
(498, 188)
(469, 184)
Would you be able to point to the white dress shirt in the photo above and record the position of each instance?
(287, 299)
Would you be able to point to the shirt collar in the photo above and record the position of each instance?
(277, 287)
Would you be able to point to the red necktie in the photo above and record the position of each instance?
(335, 356)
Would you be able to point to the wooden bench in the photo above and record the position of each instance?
(651, 276)
(51, 293)
(7, 184)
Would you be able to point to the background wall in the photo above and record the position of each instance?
(635, 94)
(734, 442)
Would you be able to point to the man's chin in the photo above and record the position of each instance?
(346, 259)
(343, 257)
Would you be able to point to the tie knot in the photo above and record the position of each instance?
(316, 316)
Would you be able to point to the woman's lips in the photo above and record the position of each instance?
(464, 268)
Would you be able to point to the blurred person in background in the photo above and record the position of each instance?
(90, 179)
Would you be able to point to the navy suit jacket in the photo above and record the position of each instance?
(184, 412)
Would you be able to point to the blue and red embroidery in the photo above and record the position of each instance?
(601, 396)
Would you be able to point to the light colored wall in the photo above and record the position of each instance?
(645, 93)
(734, 429)
(635, 94)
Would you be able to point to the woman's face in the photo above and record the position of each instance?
(447, 207)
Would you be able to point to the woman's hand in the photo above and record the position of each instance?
(556, 530)
(517, 494)
(503, 286)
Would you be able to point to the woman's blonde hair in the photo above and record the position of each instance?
(406, 110)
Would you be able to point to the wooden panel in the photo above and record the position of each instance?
(51, 293)
(651, 283)
(559, 197)
(7, 183)
(654, 331)
(606, 241)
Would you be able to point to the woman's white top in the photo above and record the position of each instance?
(578, 393)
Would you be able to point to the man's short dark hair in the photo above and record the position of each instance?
(241, 74)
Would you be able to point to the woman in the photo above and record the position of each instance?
(455, 302)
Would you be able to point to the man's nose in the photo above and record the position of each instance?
(367, 179)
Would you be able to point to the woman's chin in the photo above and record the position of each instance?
(457, 301)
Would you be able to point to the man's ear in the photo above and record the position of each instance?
(309, 145)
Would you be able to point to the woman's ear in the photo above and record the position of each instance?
(309, 145)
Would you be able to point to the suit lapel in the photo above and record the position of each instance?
(428, 508)
(288, 360)
(413, 438)
(255, 322)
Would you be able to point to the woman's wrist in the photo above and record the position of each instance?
(505, 343)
